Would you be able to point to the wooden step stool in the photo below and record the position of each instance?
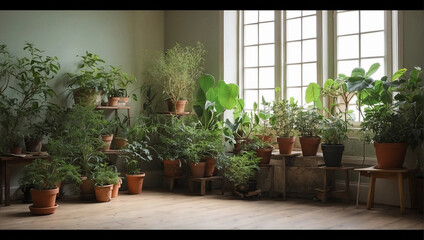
(330, 191)
(203, 181)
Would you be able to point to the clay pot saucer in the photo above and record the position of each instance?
(43, 211)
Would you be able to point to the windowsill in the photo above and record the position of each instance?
(353, 160)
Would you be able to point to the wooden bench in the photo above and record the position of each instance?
(203, 181)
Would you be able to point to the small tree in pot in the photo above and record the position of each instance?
(308, 123)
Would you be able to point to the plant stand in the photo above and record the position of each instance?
(171, 180)
(330, 191)
(203, 181)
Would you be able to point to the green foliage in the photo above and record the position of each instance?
(212, 100)
(283, 120)
(106, 175)
(45, 174)
(334, 130)
(308, 122)
(177, 70)
(241, 167)
(23, 100)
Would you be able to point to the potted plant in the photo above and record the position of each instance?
(283, 122)
(334, 133)
(263, 120)
(240, 169)
(388, 124)
(262, 147)
(90, 81)
(177, 70)
(23, 101)
(308, 122)
(45, 175)
(108, 128)
(104, 178)
(122, 80)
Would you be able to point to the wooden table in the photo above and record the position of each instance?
(7, 161)
(203, 181)
(330, 191)
(398, 174)
(280, 157)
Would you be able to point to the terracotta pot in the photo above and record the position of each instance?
(239, 143)
(87, 186)
(119, 143)
(113, 101)
(209, 166)
(85, 96)
(390, 155)
(107, 139)
(265, 138)
(44, 198)
(135, 183)
(15, 150)
(172, 168)
(115, 189)
(265, 155)
(180, 106)
(309, 145)
(286, 144)
(124, 100)
(198, 170)
(33, 145)
(103, 193)
(43, 211)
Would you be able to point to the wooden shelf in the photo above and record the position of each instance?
(112, 107)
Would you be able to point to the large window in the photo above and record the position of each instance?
(290, 49)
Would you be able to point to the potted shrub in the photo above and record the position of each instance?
(390, 125)
(45, 176)
(263, 121)
(308, 122)
(283, 122)
(177, 70)
(262, 147)
(90, 81)
(334, 131)
(23, 101)
(120, 81)
(104, 178)
(108, 128)
(135, 151)
(240, 169)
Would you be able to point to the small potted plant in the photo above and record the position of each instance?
(241, 168)
(334, 133)
(90, 81)
(107, 132)
(283, 122)
(177, 70)
(45, 175)
(262, 147)
(122, 80)
(104, 178)
(308, 122)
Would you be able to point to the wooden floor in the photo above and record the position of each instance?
(160, 209)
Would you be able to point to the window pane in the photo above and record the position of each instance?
(266, 77)
(306, 13)
(293, 31)
(346, 67)
(251, 56)
(251, 34)
(296, 93)
(269, 96)
(292, 14)
(293, 52)
(266, 32)
(366, 64)
(266, 16)
(294, 77)
(309, 27)
(251, 78)
(250, 16)
(250, 96)
(347, 22)
(372, 44)
(372, 20)
(348, 47)
(266, 55)
(309, 73)
(309, 51)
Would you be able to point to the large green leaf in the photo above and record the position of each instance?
(206, 82)
(312, 94)
(372, 69)
(227, 94)
(398, 73)
(358, 72)
(359, 83)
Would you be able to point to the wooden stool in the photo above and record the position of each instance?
(171, 180)
(398, 174)
(330, 191)
(203, 181)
